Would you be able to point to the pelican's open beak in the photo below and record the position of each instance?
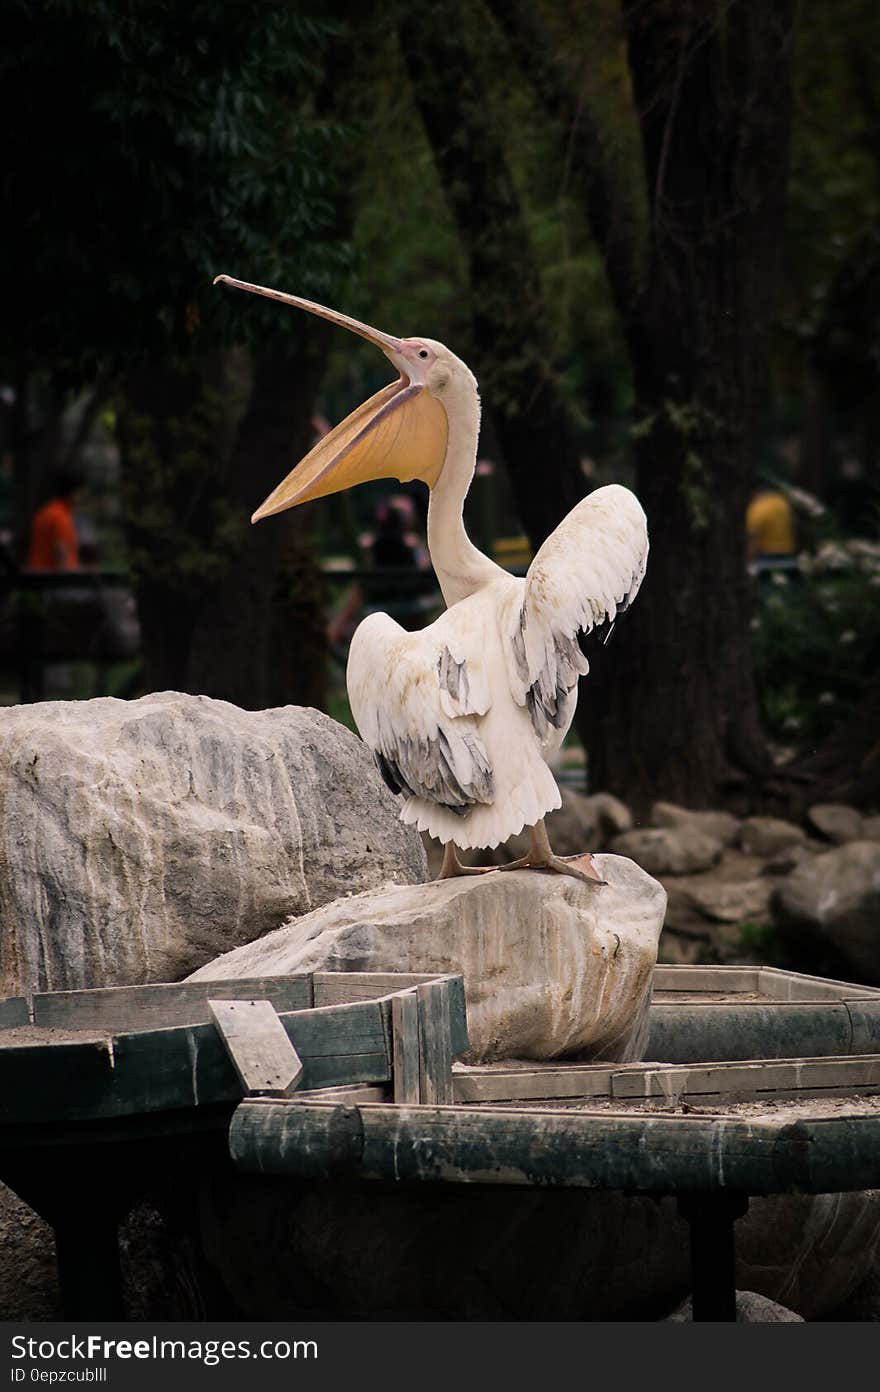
(401, 432)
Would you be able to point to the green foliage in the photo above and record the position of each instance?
(149, 147)
(816, 645)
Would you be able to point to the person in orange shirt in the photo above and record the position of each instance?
(54, 542)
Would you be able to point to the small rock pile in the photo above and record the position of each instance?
(740, 890)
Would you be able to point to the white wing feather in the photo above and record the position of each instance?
(414, 697)
(587, 571)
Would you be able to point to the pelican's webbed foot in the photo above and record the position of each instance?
(542, 857)
(452, 866)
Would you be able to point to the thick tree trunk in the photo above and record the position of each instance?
(512, 354)
(233, 655)
(678, 717)
(193, 474)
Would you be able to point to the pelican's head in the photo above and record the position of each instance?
(402, 432)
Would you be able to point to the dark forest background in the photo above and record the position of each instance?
(651, 227)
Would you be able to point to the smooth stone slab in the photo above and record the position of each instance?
(552, 967)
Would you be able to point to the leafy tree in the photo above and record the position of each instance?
(151, 147)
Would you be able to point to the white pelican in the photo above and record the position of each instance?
(462, 716)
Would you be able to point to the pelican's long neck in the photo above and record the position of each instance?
(461, 568)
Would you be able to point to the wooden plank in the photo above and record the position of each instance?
(257, 1043)
(181, 1067)
(343, 988)
(489, 1145)
(338, 988)
(129, 1008)
(716, 1031)
(864, 1018)
(796, 986)
(435, 1043)
(405, 1044)
(714, 978)
(502, 1085)
(789, 1075)
(14, 1010)
(358, 1028)
(354, 1096)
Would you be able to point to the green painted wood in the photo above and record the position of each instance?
(865, 1022)
(360, 1028)
(185, 1066)
(405, 1046)
(459, 1040)
(657, 1154)
(14, 1011)
(258, 1045)
(334, 988)
(127, 1008)
(716, 1031)
(435, 1043)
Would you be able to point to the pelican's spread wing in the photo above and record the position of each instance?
(587, 571)
(414, 701)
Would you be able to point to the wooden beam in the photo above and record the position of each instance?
(715, 1031)
(354, 1096)
(435, 1043)
(14, 1011)
(405, 1044)
(257, 1043)
(486, 1145)
(510, 1085)
(715, 978)
(128, 1008)
(796, 986)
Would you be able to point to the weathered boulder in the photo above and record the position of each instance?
(731, 901)
(140, 838)
(680, 850)
(723, 826)
(552, 967)
(751, 1308)
(580, 824)
(834, 901)
(836, 822)
(765, 836)
(871, 828)
(791, 857)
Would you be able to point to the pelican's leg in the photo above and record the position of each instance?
(541, 857)
(452, 866)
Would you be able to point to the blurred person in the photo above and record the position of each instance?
(54, 539)
(770, 525)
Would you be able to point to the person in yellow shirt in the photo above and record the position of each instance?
(770, 525)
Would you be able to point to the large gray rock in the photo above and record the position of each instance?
(834, 900)
(723, 826)
(766, 836)
(680, 850)
(140, 838)
(751, 1308)
(836, 822)
(551, 966)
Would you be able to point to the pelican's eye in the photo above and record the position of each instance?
(423, 352)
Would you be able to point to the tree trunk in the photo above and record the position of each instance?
(512, 354)
(233, 654)
(194, 469)
(678, 716)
